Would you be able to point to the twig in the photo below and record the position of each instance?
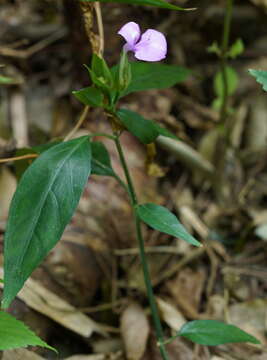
(102, 307)
(22, 157)
(78, 125)
(194, 254)
(24, 54)
(100, 27)
(148, 250)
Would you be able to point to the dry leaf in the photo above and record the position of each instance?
(20, 354)
(8, 185)
(134, 331)
(186, 289)
(170, 314)
(250, 316)
(37, 297)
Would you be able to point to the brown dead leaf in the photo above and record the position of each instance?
(19, 354)
(8, 185)
(186, 289)
(87, 357)
(170, 314)
(251, 317)
(134, 331)
(37, 297)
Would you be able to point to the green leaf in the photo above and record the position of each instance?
(147, 76)
(101, 164)
(140, 127)
(43, 204)
(161, 219)
(217, 103)
(232, 80)
(101, 70)
(89, 96)
(39, 149)
(214, 48)
(236, 49)
(261, 77)
(14, 334)
(158, 3)
(4, 80)
(1, 281)
(144, 129)
(22, 165)
(212, 333)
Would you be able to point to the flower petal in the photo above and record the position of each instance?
(131, 33)
(151, 47)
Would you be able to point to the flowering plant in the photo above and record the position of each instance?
(40, 210)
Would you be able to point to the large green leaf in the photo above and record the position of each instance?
(161, 219)
(42, 206)
(147, 76)
(158, 3)
(14, 334)
(261, 77)
(144, 129)
(212, 332)
(101, 164)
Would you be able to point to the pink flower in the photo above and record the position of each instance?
(151, 46)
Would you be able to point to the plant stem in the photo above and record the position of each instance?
(224, 50)
(149, 288)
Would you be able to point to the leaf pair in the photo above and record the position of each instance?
(144, 76)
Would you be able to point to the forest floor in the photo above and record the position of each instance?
(87, 299)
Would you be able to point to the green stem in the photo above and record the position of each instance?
(224, 50)
(149, 288)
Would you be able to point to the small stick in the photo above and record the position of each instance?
(78, 125)
(22, 157)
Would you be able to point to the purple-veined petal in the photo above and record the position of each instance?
(131, 33)
(151, 47)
